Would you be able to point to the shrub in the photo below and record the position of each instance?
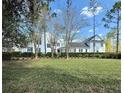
(6, 56)
(16, 54)
(95, 55)
(27, 54)
(40, 54)
(49, 54)
(9, 55)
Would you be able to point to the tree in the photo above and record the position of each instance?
(93, 9)
(32, 17)
(109, 44)
(111, 41)
(70, 25)
(53, 43)
(38, 12)
(44, 17)
(112, 20)
(67, 20)
(12, 34)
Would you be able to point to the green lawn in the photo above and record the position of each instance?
(62, 76)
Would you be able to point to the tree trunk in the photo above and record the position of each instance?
(69, 3)
(94, 33)
(67, 55)
(67, 52)
(117, 43)
(52, 50)
(36, 53)
(45, 40)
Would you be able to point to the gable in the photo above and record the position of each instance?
(91, 39)
(97, 38)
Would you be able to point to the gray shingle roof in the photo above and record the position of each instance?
(89, 39)
(78, 44)
(84, 44)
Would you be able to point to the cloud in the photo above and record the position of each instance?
(98, 10)
(58, 11)
(100, 34)
(88, 11)
(91, 30)
(77, 31)
(85, 11)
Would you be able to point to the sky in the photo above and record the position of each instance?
(81, 5)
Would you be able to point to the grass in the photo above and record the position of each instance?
(62, 76)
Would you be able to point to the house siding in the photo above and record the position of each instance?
(88, 48)
(98, 47)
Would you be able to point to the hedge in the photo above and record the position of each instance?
(27, 54)
(8, 55)
(94, 55)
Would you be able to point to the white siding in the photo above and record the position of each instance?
(98, 47)
(42, 48)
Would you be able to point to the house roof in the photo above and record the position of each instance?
(84, 44)
(90, 39)
(78, 44)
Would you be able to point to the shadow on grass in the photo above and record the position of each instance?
(51, 80)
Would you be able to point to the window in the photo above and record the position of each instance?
(75, 50)
(101, 44)
(30, 49)
(39, 49)
(48, 46)
(58, 44)
(40, 41)
(58, 50)
(86, 50)
(81, 50)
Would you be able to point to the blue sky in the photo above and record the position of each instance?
(78, 5)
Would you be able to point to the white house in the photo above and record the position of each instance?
(78, 47)
(30, 47)
(87, 45)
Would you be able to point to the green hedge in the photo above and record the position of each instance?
(8, 55)
(84, 55)
(16, 54)
(96, 55)
(49, 54)
(27, 54)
